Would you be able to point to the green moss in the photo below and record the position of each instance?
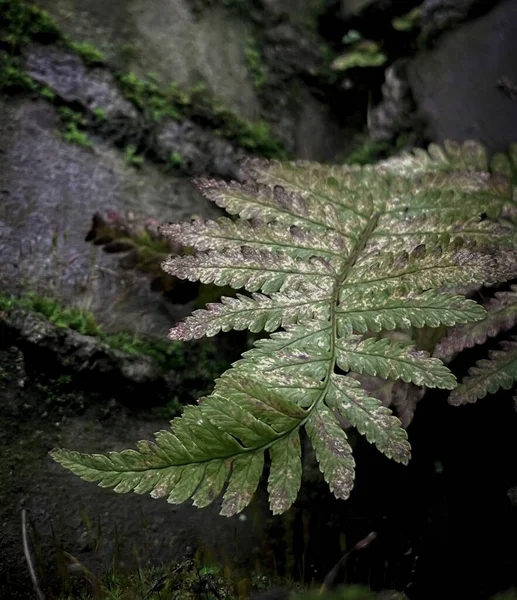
(409, 21)
(23, 22)
(175, 159)
(48, 94)
(74, 136)
(79, 320)
(190, 579)
(199, 105)
(169, 356)
(368, 151)
(99, 114)
(129, 52)
(150, 99)
(91, 56)
(256, 66)
(74, 124)
(132, 158)
(12, 78)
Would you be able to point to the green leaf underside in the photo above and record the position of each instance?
(334, 256)
(488, 375)
(501, 315)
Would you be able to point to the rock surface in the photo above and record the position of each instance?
(49, 191)
(395, 114)
(461, 86)
(85, 355)
(66, 75)
(176, 42)
(351, 8)
(166, 38)
(440, 15)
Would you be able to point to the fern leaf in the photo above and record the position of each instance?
(275, 203)
(472, 155)
(361, 311)
(333, 451)
(194, 459)
(371, 419)
(488, 375)
(424, 269)
(392, 360)
(225, 233)
(285, 475)
(321, 183)
(442, 227)
(250, 269)
(257, 313)
(333, 256)
(501, 315)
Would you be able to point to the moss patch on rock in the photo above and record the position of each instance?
(24, 22)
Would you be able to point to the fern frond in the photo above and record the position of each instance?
(258, 313)
(361, 311)
(225, 233)
(489, 375)
(501, 315)
(469, 156)
(275, 203)
(370, 417)
(333, 256)
(392, 360)
(251, 269)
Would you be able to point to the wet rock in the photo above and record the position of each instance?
(289, 52)
(72, 351)
(440, 15)
(67, 76)
(12, 367)
(456, 85)
(191, 42)
(50, 190)
(168, 39)
(395, 114)
(200, 151)
(304, 124)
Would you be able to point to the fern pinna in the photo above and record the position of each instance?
(499, 369)
(333, 258)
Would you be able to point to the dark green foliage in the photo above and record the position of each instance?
(132, 158)
(368, 151)
(471, 161)
(359, 53)
(408, 21)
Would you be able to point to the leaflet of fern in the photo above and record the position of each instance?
(335, 256)
(501, 315)
(489, 375)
